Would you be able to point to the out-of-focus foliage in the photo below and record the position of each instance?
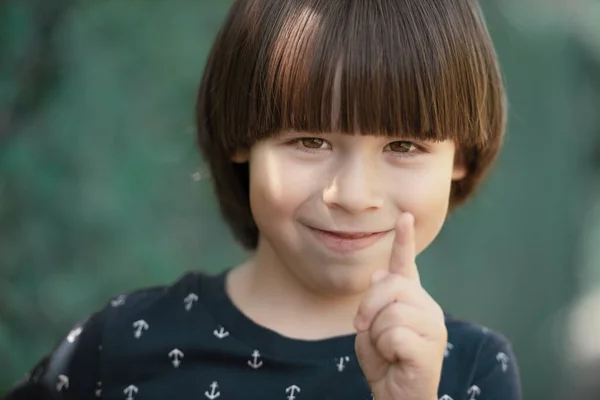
(100, 189)
(97, 161)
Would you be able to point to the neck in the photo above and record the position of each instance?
(269, 293)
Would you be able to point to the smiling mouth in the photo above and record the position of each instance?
(349, 235)
(347, 242)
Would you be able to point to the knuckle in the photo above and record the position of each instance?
(438, 310)
(397, 339)
(441, 333)
(394, 339)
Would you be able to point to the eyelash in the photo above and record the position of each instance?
(416, 149)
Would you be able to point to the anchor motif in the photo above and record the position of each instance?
(63, 383)
(473, 392)
(449, 347)
(221, 333)
(189, 301)
(292, 390)
(118, 301)
(254, 363)
(130, 391)
(341, 365)
(502, 359)
(98, 391)
(74, 334)
(140, 326)
(176, 354)
(446, 397)
(213, 392)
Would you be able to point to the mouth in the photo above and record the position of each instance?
(347, 242)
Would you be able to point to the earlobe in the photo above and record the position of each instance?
(459, 172)
(460, 168)
(240, 156)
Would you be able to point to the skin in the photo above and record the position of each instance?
(401, 332)
(303, 284)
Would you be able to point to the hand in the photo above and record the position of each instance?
(401, 332)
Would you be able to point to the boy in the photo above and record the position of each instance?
(339, 134)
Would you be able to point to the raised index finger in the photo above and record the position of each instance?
(403, 256)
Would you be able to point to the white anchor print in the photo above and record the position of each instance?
(176, 354)
(449, 347)
(74, 334)
(130, 391)
(213, 392)
(63, 383)
(118, 301)
(341, 365)
(254, 363)
(140, 326)
(502, 359)
(446, 397)
(189, 301)
(98, 391)
(485, 330)
(292, 390)
(473, 392)
(221, 333)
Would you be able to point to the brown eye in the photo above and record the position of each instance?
(401, 147)
(312, 143)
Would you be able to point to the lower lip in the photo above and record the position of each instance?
(343, 244)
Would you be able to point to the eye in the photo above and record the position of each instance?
(402, 147)
(311, 143)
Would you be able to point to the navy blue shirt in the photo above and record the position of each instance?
(189, 341)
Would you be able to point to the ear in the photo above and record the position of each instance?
(459, 171)
(240, 156)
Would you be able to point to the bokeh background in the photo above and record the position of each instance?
(103, 191)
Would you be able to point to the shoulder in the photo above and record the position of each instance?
(485, 359)
(157, 301)
(476, 341)
(69, 365)
(468, 335)
(73, 367)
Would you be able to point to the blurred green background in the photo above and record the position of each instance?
(103, 191)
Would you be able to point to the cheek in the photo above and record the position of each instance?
(427, 198)
(278, 187)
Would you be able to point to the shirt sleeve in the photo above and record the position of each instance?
(496, 376)
(70, 371)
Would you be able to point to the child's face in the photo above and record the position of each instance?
(350, 184)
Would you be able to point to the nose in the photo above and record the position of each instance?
(356, 187)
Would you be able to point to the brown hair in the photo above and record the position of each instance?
(424, 69)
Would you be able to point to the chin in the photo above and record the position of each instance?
(337, 275)
(342, 280)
